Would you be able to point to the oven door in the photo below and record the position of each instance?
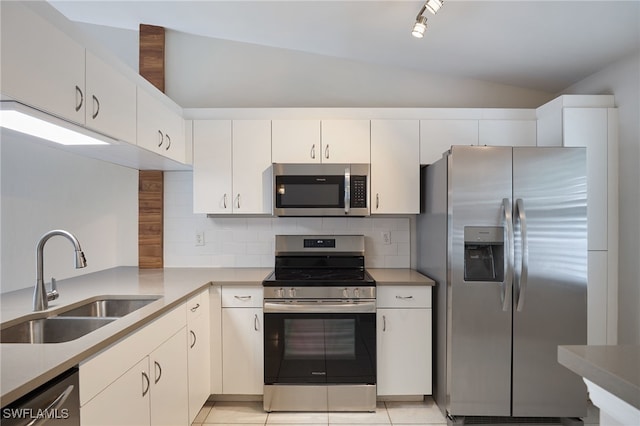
(304, 345)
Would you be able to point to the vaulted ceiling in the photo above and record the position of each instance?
(542, 45)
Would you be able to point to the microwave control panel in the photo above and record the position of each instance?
(358, 191)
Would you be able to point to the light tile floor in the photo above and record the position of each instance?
(388, 413)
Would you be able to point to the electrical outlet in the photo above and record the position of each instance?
(386, 237)
(199, 238)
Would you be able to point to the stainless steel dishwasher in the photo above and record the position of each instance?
(56, 403)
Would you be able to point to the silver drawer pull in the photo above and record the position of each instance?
(195, 308)
(404, 297)
(243, 298)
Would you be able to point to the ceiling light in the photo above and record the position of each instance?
(23, 119)
(433, 5)
(419, 27)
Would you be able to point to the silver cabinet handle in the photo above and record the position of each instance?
(313, 151)
(158, 368)
(195, 308)
(238, 201)
(326, 152)
(224, 201)
(404, 297)
(96, 111)
(145, 384)
(524, 266)
(161, 138)
(243, 298)
(384, 323)
(168, 142)
(79, 104)
(377, 200)
(55, 405)
(256, 323)
(505, 294)
(194, 339)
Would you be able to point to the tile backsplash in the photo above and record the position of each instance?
(249, 241)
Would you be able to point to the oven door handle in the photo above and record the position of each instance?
(320, 307)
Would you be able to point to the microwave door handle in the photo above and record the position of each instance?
(347, 190)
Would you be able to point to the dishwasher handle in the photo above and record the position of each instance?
(55, 405)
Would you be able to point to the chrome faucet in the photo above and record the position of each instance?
(41, 296)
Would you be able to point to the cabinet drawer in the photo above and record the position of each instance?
(403, 296)
(241, 297)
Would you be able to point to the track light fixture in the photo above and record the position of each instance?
(420, 26)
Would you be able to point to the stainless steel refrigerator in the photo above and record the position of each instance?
(503, 232)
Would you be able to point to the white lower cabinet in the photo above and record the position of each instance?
(242, 336)
(199, 352)
(125, 402)
(404, 340)
(141, 380)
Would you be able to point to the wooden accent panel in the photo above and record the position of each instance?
(151, 50)
(150, 219)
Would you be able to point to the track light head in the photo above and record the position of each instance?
(419, 27)
(434, 5)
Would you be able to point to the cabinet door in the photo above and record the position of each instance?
(199, 354)
(160, 129)
(588, 127)
(242, 356)
(41, 66)
(507, 132)
(111, 101)
(169, 385)
(212, 167)
(437, 136)
(296, 141)
(395, 166)
(125, 402)
(404, 352)
(252, 178)
(346, 141)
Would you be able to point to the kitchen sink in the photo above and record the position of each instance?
(51, 330)
(109, 307)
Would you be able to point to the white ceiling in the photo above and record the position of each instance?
(543, 45)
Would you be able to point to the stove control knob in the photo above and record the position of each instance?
(292, 292)
(356, 293)
(345, 292)
(280, 293)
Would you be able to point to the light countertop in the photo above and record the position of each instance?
(27, 366)
(401, 276)
(616, 369)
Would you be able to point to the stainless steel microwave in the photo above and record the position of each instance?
(321, 189)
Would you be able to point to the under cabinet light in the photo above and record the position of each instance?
(23, 119)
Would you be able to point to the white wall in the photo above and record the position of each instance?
(249, 241)
(45, 188)
(622, 79)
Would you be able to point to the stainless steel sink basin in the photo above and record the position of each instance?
(109, 307)
(51, 330)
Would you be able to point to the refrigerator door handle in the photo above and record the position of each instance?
(505, 296)
(521, 217)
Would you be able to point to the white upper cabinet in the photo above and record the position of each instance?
(160, 129)
(252, 174)
(296, 141)
(326, 141)
(110, 100)
(41, 66)
(232, 167)
(507, 132)
(437, 136)
(346, 141)
(395, 167)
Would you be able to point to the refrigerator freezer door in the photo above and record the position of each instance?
(478, 328)
(550, 188)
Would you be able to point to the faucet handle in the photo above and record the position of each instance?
(53, 294)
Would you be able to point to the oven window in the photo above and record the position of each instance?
(319, 348)
(319, 339)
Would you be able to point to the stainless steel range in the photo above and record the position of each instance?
(319, 326)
